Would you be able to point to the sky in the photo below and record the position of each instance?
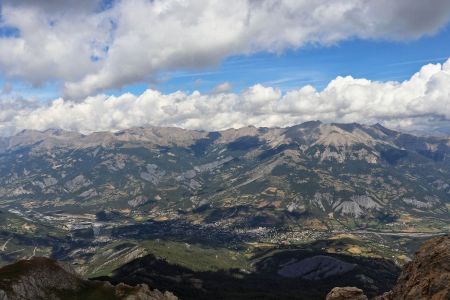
(93, 65)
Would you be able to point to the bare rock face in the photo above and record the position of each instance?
(346, 293)
(427, 276)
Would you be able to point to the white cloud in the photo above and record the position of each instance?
(222, 88)
(420, 103)
(89, 49)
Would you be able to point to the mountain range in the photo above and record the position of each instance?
(340, 171)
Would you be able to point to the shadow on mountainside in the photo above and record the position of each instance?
(281, 274)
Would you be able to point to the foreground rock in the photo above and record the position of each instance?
(43, 278)
(344, 293)
(427, 276)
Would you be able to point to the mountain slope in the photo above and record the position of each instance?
(92, 193)
(348, 170)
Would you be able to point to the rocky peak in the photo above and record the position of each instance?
(34, 279)
(339, 136)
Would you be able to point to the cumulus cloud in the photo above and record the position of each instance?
(90, 46)
(420, 103)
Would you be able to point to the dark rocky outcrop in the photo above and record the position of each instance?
(43, 278)
(345, 293)
(426, 277)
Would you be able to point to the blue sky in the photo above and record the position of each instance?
(318, 65)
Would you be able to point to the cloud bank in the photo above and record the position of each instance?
(420, 103)
(93, 45)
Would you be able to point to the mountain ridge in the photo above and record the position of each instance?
(352, 133)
